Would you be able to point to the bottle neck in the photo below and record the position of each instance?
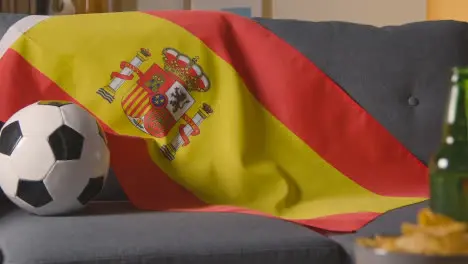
(455, 119)
(453, 152)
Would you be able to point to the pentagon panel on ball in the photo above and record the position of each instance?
(54, 158)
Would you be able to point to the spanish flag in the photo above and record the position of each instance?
(210, 111)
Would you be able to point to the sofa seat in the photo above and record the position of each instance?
(115, 232)
(388, 223)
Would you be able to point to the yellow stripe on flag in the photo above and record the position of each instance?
(243, 156)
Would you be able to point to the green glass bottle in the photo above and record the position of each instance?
(449, 167)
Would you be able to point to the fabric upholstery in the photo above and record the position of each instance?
(399, 74)
(115, 233)
(387, 224)
(6, 20)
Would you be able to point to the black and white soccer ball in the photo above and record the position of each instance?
(54, 158)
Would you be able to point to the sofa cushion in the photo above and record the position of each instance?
(388, 223)
(116, 233)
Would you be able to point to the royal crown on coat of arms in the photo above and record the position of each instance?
(160, 97)
(189, 72)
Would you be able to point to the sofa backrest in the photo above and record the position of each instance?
(399, 74)
(6, 20)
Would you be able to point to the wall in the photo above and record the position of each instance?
(447, 9)
(374, 12)
(161, 4)
(256, 9)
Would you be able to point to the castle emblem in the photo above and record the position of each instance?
(161, 96)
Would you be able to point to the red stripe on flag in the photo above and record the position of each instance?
(310, 104)
(160, 191)
(336, 223)
(28, 85)
(325, 224)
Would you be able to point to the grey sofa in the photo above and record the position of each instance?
(399, 74)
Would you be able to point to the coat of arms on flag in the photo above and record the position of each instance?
(161, 96)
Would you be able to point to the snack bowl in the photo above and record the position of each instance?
(369, 255)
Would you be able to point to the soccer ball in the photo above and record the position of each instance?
(53, 158)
